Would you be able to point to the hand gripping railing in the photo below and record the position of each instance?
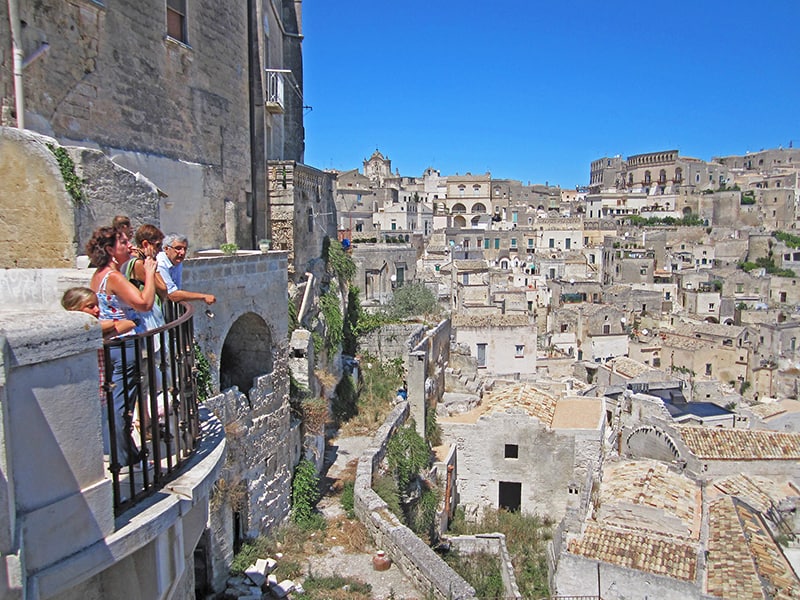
(149, 390)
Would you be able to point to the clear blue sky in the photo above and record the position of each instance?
(535, 90)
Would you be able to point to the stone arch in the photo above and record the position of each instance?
(459, 222)
(246, 353)
(652, 442)
(479, 207)
(687, 210)
(476, 220)
(458, 208)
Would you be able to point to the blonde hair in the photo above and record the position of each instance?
(77, 297)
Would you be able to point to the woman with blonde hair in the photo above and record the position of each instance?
(119, 299)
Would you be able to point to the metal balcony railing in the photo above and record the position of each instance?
(149, 389)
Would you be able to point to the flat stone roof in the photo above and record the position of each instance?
(578, 412)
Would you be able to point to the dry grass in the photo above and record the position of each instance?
(351, 534)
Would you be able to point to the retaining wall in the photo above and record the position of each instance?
(413, 556)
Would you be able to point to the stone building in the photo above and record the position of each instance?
(186, 98)
(502, 344)
(302, 210)
(527, 449)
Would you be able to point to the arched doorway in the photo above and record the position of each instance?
(246, 353)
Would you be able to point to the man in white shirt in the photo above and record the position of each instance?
(170, 268)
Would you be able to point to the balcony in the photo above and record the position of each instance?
(73, 516)
(160, 426)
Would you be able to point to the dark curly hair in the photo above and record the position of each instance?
(97, 247)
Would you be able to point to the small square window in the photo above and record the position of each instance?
(519, 350)
(512, 451)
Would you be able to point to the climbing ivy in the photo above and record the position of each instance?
(203, 369)
(338, 261)
(72, 183)
(305, 493)
(334, 323)
(407, 454)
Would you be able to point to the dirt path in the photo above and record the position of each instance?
(341, 458)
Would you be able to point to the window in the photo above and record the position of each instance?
(496, 243)
(481, 355)
(642, 270)
(563, 327)
(465, 278)
(568, 243)
(310, 220)
(708, 369)
(512, 451)
(486, 244)
(519, 350)
(710, 306)
(401, 274)
(358, 199)
(394, 225)
(551, 243)
(176, 20)
(606, 329)
(513, 242)
(530, 243)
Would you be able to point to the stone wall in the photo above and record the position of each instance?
(114, 80)
(415, 558)
(391, 341)
(490, 543)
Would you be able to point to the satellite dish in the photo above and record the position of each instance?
(393, 278)
(623, 320)
(645, 332)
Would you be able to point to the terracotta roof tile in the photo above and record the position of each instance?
(523, 397)
(642, 551)
(741, 444)
(743, 559)
(647, 496)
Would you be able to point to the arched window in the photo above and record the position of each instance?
(461, 189)
(678, 174)
(476, 190)
(460, 222)
(459, 209)
(662, 176)
(647, 177)
(478, 208)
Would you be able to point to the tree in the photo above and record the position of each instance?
(412, 300)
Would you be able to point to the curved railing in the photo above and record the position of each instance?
(151, 424)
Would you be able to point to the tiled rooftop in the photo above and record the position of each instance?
(743, 560)
(645, 495)
(759, 492)
(530, 400)
(641, 551)
(741, 444)
(628, 367)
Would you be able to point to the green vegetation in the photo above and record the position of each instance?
(202, 369)
(748, 198)
(305, 493)
(347, 499)
(686, 221)
(350, 330)
(791, 240)
(481, 570)
(433, 433)
(345, 401)
(378, 389)
(334, 323)
(412, 300)
(337, 260)
(407, 454)
(526, 538)
(229, 248)
(293, 322)
(386, 488)
(334, 588)
(72, 183)
(744, 387)
(768, 264)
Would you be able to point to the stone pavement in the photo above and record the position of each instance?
(340, 458)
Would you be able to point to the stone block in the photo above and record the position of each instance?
(255, 575)
(282, 589)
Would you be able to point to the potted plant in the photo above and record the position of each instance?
(264, 245)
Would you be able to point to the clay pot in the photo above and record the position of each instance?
(381, 562)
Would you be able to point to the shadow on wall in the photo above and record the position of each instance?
(246, 353)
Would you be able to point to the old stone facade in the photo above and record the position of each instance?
(170, 103)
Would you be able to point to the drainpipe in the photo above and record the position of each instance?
(448, 491)
(16, 49)
(309, 281)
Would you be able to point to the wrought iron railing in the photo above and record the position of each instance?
(149, 388)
